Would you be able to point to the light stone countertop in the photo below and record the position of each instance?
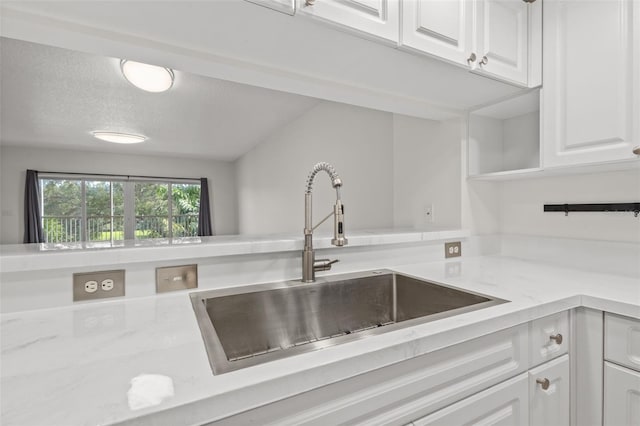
(74, 365)
(47, 256)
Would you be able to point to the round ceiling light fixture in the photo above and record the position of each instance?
(118, 137)
(147, 77)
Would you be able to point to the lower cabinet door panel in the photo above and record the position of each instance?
(621, 396)
(549, 386)
(503, 404)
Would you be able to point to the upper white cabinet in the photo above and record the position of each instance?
(495, 38)
(284, 6)
(502, 39)
(376, 18)
(442, 28)
(590, 99)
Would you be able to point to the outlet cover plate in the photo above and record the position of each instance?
(453, 249)
(174, 278)
(114, 278)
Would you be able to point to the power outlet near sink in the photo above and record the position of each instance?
(453, 249)
(98, 285)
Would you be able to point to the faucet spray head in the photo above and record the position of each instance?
(338, 225)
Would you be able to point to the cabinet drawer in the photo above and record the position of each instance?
(550, 406)
(549, 337)
(622, 340)
(397, 394)
(504, 404)
(621, 396)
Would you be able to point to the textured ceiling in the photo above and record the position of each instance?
(54, 97)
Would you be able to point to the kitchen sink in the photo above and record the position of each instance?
(265, 322)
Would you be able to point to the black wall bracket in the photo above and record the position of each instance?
(600, 207)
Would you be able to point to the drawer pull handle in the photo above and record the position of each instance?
(544, 383)
(557, 338)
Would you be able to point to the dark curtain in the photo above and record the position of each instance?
(204, 219)
(32, 220)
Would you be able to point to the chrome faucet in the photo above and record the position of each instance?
(309, 264)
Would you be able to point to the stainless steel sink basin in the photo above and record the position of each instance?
(272, 321)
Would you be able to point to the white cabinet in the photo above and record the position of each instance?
(400, 393)
(376, 18)
(285, 6)
(492, 37)
(621, 396)
(442, 28)
(549, 386)
(503, 404)
(549, 337)
(502, 39)
(590, 98)
(622, 341)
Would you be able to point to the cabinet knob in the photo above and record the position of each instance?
(484, 61)
(309, 2)
(544, 383)
(636, 150)
(471, 58)
(557, 338)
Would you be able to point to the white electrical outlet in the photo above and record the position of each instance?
(98, 285)
(91, 286)
(107, 285)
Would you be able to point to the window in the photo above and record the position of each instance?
(88, 209)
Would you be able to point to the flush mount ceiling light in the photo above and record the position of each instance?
(118, 137)
(147, 77)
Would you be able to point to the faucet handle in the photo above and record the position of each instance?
(324, 264)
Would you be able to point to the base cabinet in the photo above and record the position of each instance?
(621, 371)
(549, 387)
(621, 396)
(503, 404)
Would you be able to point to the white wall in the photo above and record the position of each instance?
(14, 161)
(358, 142)
(426, 172)
(521, 206)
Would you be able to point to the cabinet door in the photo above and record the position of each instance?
(549, 393)
(503, 404)
(502, 38)
(376, 18)
(621, 396)
(442, 28)
(591, 68)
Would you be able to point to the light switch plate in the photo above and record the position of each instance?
(98, 285)
(175, 278)
(453, 249)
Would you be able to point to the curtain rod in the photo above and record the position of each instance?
(116, 175)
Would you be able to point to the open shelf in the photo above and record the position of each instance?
(504, 137)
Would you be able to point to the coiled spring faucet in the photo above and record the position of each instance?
(309, 264)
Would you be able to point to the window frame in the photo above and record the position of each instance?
(129, 208)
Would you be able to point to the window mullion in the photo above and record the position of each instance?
(112, 218)
(129, 211)
(83, 211)
(170, 201)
